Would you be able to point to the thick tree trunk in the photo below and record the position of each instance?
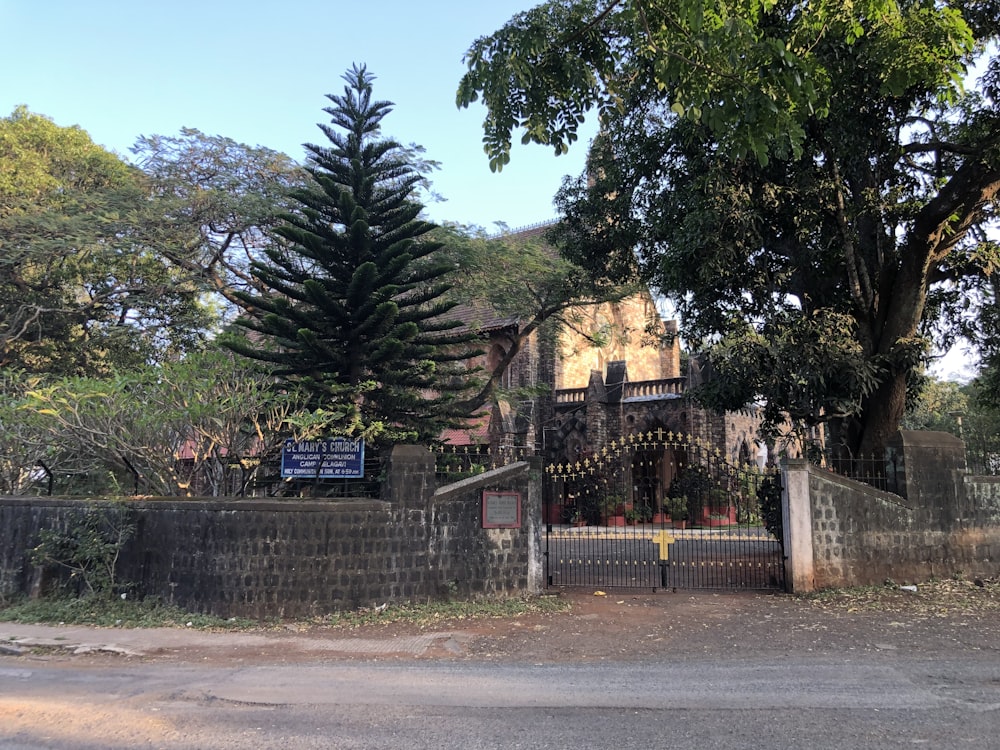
(893, 328)
(883, 411)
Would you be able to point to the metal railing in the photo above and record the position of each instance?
(455, 462)
(646, 388)
(982, 453)
(883, 472)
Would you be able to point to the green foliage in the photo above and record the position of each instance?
(22, 435)
(87, 548)
(114, 611)
(217, 203)
(218, 411)
(352, 311)
(103, 611)
(937, 406)
(804, 370)
(611, 504)
(80, 292)
(435, 613)
(752, 73)
(808, 183)
(694, 487)
(769, 498)
(525, 279)
(677, 507)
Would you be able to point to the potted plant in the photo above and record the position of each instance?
(677, 508)
(613, 510)
(693, 486)
(632, 516)
(578, 518)
(717, 509)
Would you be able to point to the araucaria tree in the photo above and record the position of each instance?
(354, 308)
(810, 183)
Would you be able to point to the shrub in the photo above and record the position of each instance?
(86, 550)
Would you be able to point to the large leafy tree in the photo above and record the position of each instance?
(216, 202)
(353, 309)
(198, 425)
(809, 183)
(79, 290)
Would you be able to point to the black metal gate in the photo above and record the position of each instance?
(659, 510)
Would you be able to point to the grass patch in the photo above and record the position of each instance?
(436, 613)
(112, 612)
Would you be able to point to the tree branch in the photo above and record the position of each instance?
(941, 146)
(859, 283)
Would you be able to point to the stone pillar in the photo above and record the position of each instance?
(796, 521)
(670, 351)
(615, 382)
(410, 479)
(532, 515)
(596, 412)
(932, 464)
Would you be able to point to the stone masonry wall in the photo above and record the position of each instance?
(623, 322)
(295, 558)
(948, 524)
(862, 536)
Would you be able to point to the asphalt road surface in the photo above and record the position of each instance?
(615, 671)
(913, 700)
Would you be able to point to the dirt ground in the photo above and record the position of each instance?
(944, 616)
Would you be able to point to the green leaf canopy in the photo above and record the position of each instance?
(814, 185)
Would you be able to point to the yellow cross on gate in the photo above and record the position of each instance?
(664, 540)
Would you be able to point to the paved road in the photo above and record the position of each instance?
(914, 700)
(622, 671)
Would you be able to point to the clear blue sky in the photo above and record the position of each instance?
(258, 72)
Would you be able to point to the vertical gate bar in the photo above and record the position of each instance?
(721, 552)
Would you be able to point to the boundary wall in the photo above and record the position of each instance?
(293, 558)
(839, 532)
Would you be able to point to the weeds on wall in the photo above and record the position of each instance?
(83, 551)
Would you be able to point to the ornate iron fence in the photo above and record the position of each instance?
(982, 453)
(659, 509)
(251, 477)
(883, 472)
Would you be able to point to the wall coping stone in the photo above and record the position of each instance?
(926, 439)
(451, 491)
(865, 489)
(229, 504)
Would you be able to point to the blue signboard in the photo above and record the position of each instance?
(329, 458)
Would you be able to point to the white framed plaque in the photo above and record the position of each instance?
(501, 510)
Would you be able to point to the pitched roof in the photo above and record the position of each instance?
(478, 315)
(475, 432)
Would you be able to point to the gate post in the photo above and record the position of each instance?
(796, 517)
(410, 481)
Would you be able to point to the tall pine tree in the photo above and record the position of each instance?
(353, 307)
